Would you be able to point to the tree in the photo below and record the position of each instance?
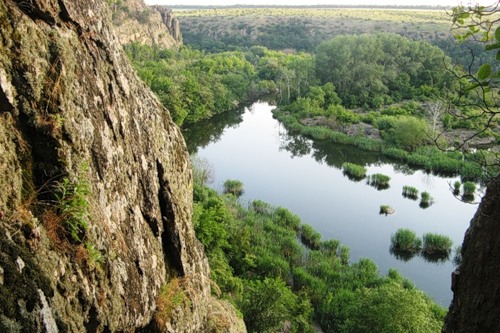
(434, 110)
(472, 281)
(408, 133)
(478, 90)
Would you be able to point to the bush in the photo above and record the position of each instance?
(354, 171)
(203, 171)
(310, 237)
(261, 207)
(408, 133)
(410, 192)
(285, 218)
(406, 240)
(379, 181)
(330, 247)
(435, 243)
(234, 187)
(270, 303)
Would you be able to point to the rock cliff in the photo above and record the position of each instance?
(95, 201)
(136, 22)
(476, 301)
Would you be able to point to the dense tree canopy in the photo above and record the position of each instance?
(379, 69)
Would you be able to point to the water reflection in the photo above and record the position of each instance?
(259, 153)
(200, 134)
(402, 255)
(296, 145)
(405, 256)
(436, 258)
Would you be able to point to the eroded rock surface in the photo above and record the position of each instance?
(155, 25)
(71, 107)
(476, 301)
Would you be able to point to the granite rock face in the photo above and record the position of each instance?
(148, 25)
(73, 111)
(476, 292)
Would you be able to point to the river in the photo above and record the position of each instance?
(306, 177)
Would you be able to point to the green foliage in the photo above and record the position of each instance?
(408, 133)
(234, 187)
(262, 207)
(285, 218)
(406, 240)
(255, 254)
(193, 85)
(405, 310)
(354, 171)
(370, 70)
(269, 303)
(436, 244)
(96, 259)
(71, 202)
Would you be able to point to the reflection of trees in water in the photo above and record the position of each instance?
(335, 154)
(200, 134)
(404, 169)
(434, 258)
(296, 145)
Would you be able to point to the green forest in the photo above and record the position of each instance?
(405, 96)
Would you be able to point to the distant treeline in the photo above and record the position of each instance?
(186, 7)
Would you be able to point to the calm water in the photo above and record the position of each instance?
(293, 172)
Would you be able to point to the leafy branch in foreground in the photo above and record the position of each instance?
(478, 97)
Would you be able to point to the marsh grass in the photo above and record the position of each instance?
(354, 171)
(426, 200)
(469, 190)
(436, 244)
(405, 240)
(234, 187)
(410, 192)
(379, 181)
(310, 237)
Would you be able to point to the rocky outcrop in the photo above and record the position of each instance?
(171, 22)
(476, 301)
(136, 22)
(95, 201)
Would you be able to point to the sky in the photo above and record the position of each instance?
(318, 2)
